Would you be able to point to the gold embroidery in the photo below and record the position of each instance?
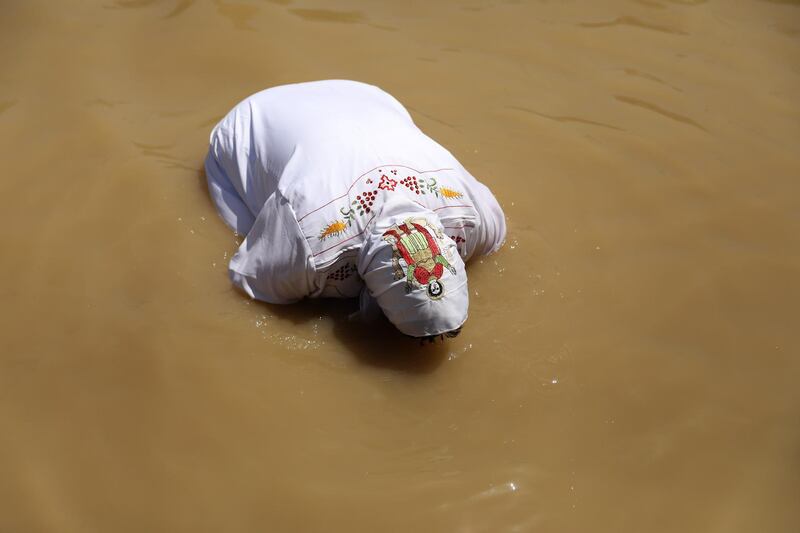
(450, 193)
(333, 229)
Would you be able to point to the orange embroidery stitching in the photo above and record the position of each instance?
(450, 193)
(335, 228)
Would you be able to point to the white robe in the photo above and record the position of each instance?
(301, 169)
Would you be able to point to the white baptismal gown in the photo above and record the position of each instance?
(301, 169)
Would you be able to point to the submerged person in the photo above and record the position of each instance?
(339, 194)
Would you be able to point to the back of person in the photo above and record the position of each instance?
(317, 163)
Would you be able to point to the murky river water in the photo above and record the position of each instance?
(632, 358)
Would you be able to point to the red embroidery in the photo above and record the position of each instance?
(422, 275)
(414, 243)
(387, 183)
(411, 183)
(459, 240)
(342, 273)
(353, 184)
(364, 201)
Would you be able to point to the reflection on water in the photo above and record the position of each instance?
(630, 359)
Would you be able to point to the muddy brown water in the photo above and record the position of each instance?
(632, 358)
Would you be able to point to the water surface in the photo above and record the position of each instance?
(631, 358)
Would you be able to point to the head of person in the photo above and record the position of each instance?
(413, 272)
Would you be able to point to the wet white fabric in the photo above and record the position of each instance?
(287, 168)
(410, 306)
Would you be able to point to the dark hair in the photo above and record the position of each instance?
(430, 339)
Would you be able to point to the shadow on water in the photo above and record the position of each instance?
(378, 344)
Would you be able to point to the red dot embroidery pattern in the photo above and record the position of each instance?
(364, 201)
(459, 240)
(342, 273)
(411, 183)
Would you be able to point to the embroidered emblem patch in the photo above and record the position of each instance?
(414, 243)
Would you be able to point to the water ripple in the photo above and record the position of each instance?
(180, 7)
(329, 15)
(565, 118)
(633, 21)
(646, 76)
(687, 2)
(133, 3)
(650, 3)
(663, 112)
(239, 14)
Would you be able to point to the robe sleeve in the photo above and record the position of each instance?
(274, 263)
(489, 232)
(492, 229)
(229, 204)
